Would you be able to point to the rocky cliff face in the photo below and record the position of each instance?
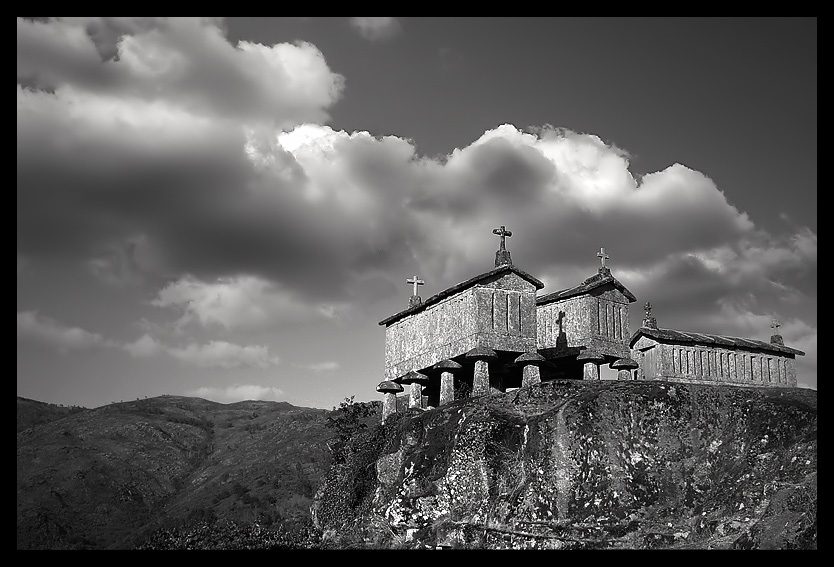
(571, 464)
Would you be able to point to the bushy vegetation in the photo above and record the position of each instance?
(211, 534)
(346, 421)
(350, 486)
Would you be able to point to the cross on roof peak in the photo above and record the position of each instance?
(503, 233)
(602, 257)
(649, 321)
(502, 256)
(416, 281)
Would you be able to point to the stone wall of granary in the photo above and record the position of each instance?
(506, 314)
(443, 330)
(564, 324)
(709, 364)
(499, 314)
(599, 322)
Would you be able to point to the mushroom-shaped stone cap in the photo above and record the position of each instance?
(412, 377)
(531, 358)
(590, 356)
(624, 364)
(388, 386)
(447, 365)
(481, 353)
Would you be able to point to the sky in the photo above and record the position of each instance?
(227, 207)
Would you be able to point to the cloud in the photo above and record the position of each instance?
(144, 346)
(33, 326)
(239, 302)
(376, 29)
(253, 225)
(214, 354)
(153, 150)
(329, 366)
(222, 354)
(186, 63)
(238, 393)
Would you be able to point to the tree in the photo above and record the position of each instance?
(345, 422)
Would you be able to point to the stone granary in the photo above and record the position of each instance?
(684, 356)
(492, 332)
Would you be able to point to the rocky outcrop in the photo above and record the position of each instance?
(576, 464)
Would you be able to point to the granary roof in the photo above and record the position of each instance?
(460, 287)
(601, 278)
(671, 335)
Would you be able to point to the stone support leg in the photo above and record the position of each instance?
(389, 404)
(530, 375)
(447, 388)
(415, 399)
(480, 381)
(590, 371)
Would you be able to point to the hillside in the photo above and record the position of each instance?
(585, 465)
(31, 413)
(108, 477)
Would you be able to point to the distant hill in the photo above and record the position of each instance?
(32, 412)
(108, 477)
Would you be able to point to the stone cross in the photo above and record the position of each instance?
(649, 321)
(502, 255)
(776, 338)
(416, 281)
(602, 257)
(503, 233)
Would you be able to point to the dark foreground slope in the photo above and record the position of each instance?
(570, 464)
(108, 477)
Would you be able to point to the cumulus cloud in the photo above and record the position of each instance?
(376, 29)
(186, 63)
(33, 326)
(239, 302)
(238, 393)
(222, 354)
(214, 354)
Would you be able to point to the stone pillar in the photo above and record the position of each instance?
(389, 404)
(415, 397)
(590, 371)
(389, 392)
(624, 366)
(480, 381)
(590, 364)
(530, 375)
(447, 388)
(415, 394)
(447, 380)
(480, 378)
